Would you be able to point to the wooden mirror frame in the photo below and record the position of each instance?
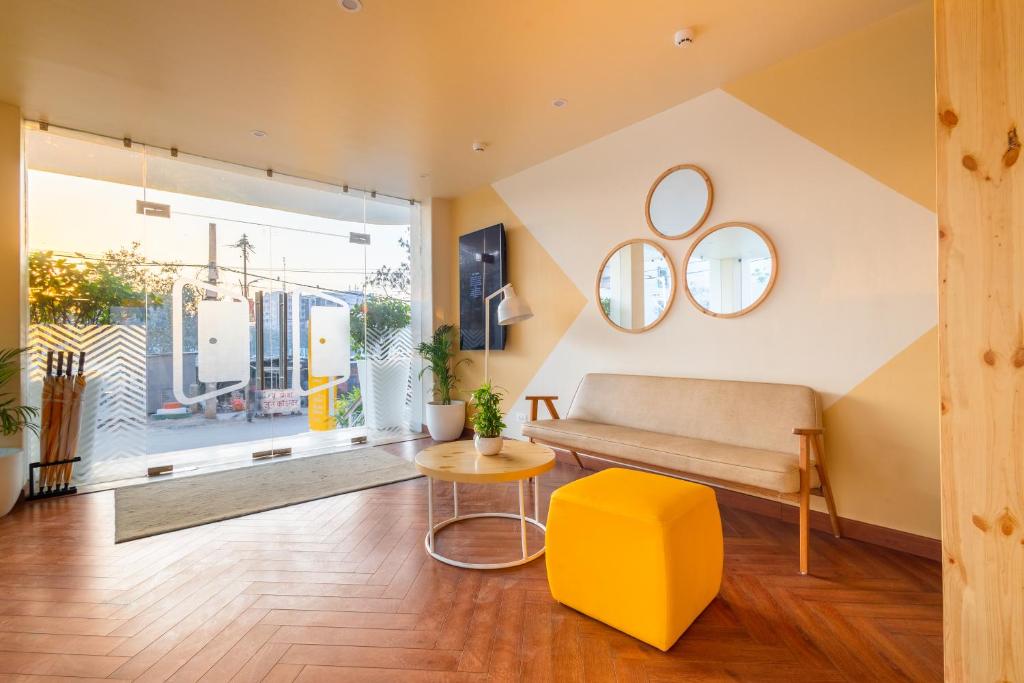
(600, 271)
(707, 208)
(767, 289)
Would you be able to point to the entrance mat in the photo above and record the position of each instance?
(159, 507)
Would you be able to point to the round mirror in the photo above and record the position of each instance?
(635, 286)
(730, 269)
(679, 201)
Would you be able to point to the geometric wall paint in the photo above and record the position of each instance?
(856, 280)
(867, 97)
(112, 444)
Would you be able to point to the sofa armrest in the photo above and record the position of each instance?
(549, 402)
(808, 431)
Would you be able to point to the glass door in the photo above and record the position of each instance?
(322, 272)
(203, 334)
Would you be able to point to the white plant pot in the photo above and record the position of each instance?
(488, 445)
(11, 481)
(445, 422)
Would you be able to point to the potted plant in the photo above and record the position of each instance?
(487, 423)
(445, 416)
(13, 419)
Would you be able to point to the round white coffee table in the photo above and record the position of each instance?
(458, 462)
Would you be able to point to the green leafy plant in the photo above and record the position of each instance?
(438, 353)
(80, 291)
(380, 315)
(348, 408)
(487, 414)
(14, 418)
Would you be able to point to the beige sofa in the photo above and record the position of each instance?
(751, 437)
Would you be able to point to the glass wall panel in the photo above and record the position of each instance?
(88, 288)
(226, 314)
(387, 349)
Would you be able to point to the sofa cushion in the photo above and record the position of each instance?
(771, 470)
(749, 414)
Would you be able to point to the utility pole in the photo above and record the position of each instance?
(210, 408)
(211, 261)
(247, 250)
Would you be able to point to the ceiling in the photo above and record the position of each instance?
(392, 97)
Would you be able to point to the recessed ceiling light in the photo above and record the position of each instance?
(559, 103)
(351, 5)
(257, 133)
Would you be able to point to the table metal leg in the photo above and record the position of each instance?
(430, 511)
(430, 539)
(522, 518)
(536, 498)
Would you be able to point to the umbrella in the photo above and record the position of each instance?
(60, 419)
(70, 442)
(50, 441)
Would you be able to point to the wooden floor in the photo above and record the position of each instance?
(340, 589)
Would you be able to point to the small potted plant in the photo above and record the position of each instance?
(445, 416)
(487, 423)
(13, 419)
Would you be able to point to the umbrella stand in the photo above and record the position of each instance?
(59, 426)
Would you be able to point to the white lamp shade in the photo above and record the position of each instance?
(513, 309)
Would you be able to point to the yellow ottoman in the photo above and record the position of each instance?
(640, 552)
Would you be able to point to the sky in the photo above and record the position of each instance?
(72, 214)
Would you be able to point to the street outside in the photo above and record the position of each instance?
(196, 431)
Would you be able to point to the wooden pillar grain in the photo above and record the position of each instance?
(979, 51)
(12, 270)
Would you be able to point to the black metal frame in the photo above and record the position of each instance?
(51, 491)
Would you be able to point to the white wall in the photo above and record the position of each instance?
(856, 279)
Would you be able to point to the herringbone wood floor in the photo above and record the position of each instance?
(341, 590)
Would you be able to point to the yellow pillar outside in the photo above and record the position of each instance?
(321, 403)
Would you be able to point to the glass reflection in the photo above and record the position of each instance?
(635, 288)
(679, 202)
(729, 270)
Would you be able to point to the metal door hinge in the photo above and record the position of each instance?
(152, 209)
(272, 453)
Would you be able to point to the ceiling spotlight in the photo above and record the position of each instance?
(559, 103)
(479, 146)
(351, 5)
(256, 133)
(683, 37)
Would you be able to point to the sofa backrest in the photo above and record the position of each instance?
(750, 414)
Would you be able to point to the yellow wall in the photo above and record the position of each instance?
(887, 429)
(537, 278)
(437, 213)
(10, 239)
(867, 97)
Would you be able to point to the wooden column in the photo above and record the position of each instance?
(979, 52)
(12, 265)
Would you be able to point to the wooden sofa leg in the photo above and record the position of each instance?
(826, 487)
(578, 461)
(805, 501)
